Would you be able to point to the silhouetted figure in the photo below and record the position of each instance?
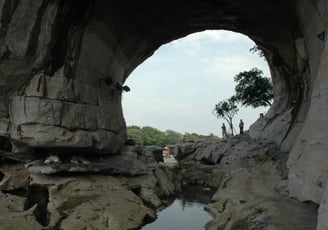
(224, 130)
(241, 126)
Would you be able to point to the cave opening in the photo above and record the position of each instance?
(178, 86)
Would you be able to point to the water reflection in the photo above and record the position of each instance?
(196, 194)
(186, 211)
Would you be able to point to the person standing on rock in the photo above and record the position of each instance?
(224, 131)
(241, 126)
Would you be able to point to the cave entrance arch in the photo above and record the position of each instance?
(71, 57)
(272, 27)
(177, 87)
(77, 80)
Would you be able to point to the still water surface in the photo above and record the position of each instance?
(186, 211)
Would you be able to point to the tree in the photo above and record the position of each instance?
(227, 110)
(172, 137)
(152, 136)
(135, 133)
(253, 89)
(194, 137)
(258, 50)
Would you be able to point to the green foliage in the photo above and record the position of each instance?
(227, 110)
(256, 49)
(253, 89)
(151, 136)
(135, 133)
(191, 137)
(172, 137)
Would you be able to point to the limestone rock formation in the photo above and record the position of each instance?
(249, 199)
(84, 192)
(13, 216)
(63, 65)
(250, 178)
(14, 176)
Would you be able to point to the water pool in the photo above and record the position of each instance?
(185, 212)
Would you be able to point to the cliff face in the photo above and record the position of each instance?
(63, 64)
(59, 79)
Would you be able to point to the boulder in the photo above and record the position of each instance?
(155, 151)
(13, 216)
(182, 150)
(96, 202)
(15, 176)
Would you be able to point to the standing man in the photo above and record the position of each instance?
(241, 126)
(224, 131)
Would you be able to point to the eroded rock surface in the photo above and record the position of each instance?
(251, 182)
(85, 192)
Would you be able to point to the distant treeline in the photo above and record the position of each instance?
(151, 136)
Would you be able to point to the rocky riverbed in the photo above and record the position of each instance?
(251, 182)
(123, 191)
(74, 192)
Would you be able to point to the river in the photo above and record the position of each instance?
(185, 212)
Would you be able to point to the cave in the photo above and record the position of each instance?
(63, 65)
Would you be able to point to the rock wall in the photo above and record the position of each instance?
(307, 162)
(60, 81)
(63, 64)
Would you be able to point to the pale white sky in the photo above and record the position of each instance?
(178, 87)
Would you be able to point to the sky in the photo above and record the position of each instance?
(178, 86)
